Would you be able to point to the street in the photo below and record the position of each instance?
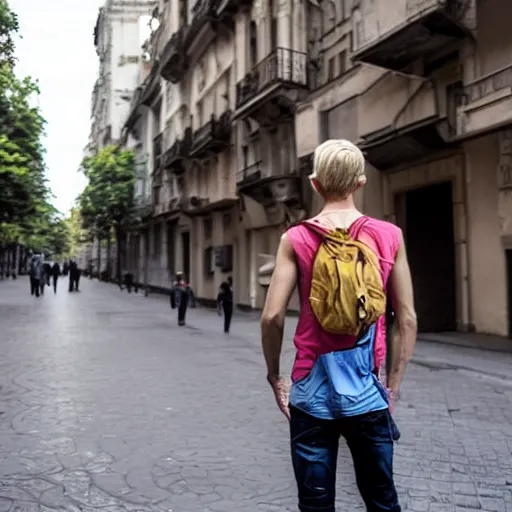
(107, 405)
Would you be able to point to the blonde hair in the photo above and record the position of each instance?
(338, 168)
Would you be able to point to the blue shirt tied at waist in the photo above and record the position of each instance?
(342, 383)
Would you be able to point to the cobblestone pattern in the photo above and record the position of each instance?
(107, 406)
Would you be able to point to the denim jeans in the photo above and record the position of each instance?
(314, 446)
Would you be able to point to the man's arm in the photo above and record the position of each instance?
(282, 284)
(404, 335)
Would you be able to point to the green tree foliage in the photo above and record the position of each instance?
(26, 213)
(106, 204)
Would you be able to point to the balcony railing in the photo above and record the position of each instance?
(178, 151)
(249, 174)
(203, 12)
(214, 135)
(488, 84)
(157, 151)
(282, 66)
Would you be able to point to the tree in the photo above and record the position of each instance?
(26, 213)
(106, 204)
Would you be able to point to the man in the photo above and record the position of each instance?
(36, 273)
(55, 275)
(225, 302)
(74, 276)
(181, 294)
(338, 387)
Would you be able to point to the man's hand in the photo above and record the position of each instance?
(281, 389)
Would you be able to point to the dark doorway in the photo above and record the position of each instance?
(508, 255)
(185, 244)
(431, 250)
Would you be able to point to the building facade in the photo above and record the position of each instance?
(122, 67)
(239, 95)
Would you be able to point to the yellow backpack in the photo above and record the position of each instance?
(347, 294)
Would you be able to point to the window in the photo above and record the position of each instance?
(253, 46)
(207, 228)
(226, 221)
(342, 62)
(330, 69)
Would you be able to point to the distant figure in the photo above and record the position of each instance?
(65, 268)
(47, 272)
(36, 273)
(55, 275)
(181, 294)
(225, 302)
(74, 276)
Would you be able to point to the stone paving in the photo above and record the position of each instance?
(107, 406)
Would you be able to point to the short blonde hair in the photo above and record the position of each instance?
(338, 168)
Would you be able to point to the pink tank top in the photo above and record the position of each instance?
(311, 341)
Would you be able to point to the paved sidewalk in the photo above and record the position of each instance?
(107, 406)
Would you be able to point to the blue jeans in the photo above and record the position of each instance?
(314, 444)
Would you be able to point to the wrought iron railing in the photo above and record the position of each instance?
(488, 84)
(250, 173)
(281, 66)
(205, 133)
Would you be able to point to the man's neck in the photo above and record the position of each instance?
(340, 205)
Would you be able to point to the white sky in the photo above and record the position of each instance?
(58, 49)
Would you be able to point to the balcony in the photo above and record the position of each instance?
(416, 28)
(151, 86)
(486, 104)
(157, 152)
(227, 9)
(399, 121)
(135, 104)
(203, 25)
(268, 190)
(173, 62)
(173, 158)
(278, 79)
(212, 137)
(143, 208)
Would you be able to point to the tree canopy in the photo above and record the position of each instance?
(106, 204)
(26, 212)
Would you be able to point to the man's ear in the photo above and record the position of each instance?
(315, 185)
(361, 182)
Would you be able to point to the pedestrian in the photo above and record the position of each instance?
(74, 276)
(225, 302)
(36, 272)
(181, 295)
(55, 275)
(342, 262)
(47, 272)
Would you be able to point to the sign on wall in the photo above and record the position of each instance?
(505, 162)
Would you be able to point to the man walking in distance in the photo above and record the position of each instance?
(55, 275)
(338, 387)
(225, 302)
(36, 271)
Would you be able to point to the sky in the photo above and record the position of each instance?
(57, 49)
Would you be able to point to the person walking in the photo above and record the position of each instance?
(36, 274)
(343, 262)
(181, 295)
(55, 275)
(225, 302)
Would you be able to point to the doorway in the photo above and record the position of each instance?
(427, 215)
(185, 244)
